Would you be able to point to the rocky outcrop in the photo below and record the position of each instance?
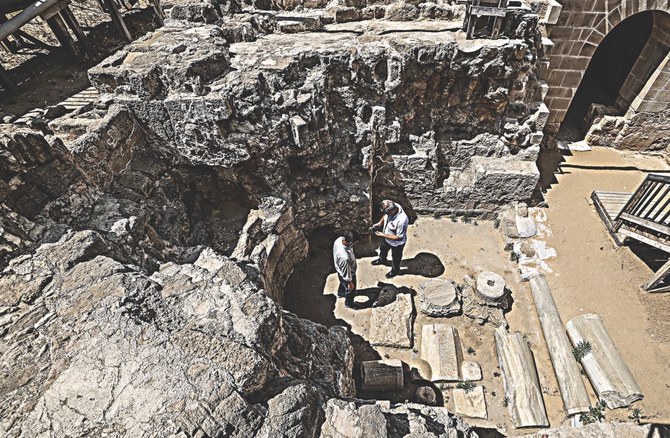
(196, 348)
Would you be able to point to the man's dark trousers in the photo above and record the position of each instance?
(396, 254)
(343, 291)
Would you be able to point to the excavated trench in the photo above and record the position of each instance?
(189, 189)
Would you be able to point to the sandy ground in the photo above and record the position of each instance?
(588, 275)
(462, 249)
(593, 275)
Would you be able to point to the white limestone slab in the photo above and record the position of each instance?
(441, 348)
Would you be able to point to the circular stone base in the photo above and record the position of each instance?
(439, 297)
(490, 286)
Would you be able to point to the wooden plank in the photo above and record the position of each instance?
(657, 202)
(640, 192)
(658, 277)
(488, 11)
(647, 199)
(645, 223)
(606, 218)
(520, 380)
(117, 19)
(606, 369)
(664, 208)
(644, 239)
(570, 383)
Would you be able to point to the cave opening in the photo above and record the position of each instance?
(610, 66)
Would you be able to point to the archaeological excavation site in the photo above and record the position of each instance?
(345, 218)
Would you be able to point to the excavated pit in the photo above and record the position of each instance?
(165, 220)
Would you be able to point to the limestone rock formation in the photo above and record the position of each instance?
(363, 419)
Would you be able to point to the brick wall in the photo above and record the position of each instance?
(580, 28)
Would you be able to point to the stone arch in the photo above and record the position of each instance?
(579, 30)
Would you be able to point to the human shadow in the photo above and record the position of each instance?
(424, 264)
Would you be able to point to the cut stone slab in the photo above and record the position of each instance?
(392, 325)
(439, 297)
(471, 371)
(522, 386)
(441, 348)
(382, 375)
(606, 369)
(470, 404)
(490, 286)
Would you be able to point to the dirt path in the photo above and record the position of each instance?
(592, 275)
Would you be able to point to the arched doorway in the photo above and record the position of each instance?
(619, 69)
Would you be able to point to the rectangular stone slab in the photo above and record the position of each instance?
(441, 348)
(570, 383)
(606, 369)
(392, 325)
(470, 403)
(522, 386)
(382, 375)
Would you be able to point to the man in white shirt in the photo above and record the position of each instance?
(345, 265)
(393, 227)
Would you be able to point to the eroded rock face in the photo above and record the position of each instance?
(192, 347)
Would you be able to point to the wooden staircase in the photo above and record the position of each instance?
(643, 215)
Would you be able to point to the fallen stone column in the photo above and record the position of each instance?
(569, 379)
(522, 386)
(382, 375)
(606, 369)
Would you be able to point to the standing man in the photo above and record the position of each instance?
(393, 227)
(345, 265)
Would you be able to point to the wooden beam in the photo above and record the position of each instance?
(570, 383)
(60, 30)
(606, 369)
(645, 223)
(658, 277)
(522, 386)
(637, 235)
(117, 18)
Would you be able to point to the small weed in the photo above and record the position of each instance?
(635, 415)
(466, 386)
(496, 223)
(436, 214)
(513, 257)
(581, 349)
(453, 217)
(471, 351)
(466, 219)
(595, 413)
(506, 401)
